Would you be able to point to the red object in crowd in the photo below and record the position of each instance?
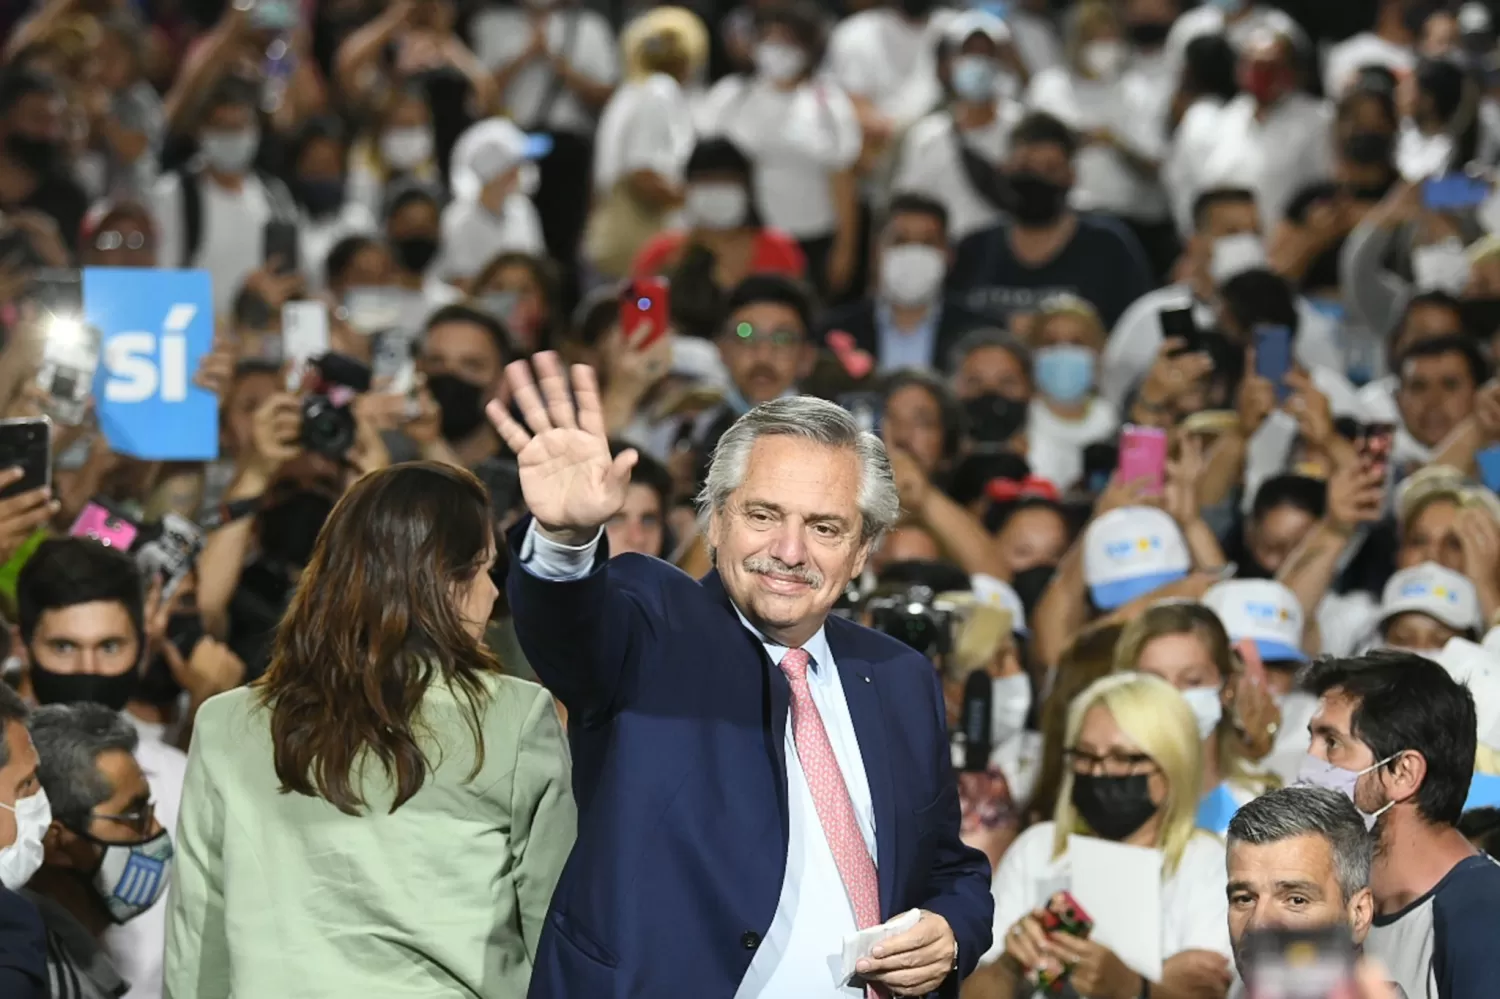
(775, 253)
(1031, 487)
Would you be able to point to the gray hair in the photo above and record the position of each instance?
(12, 709)
(69, 739)
(1309, 811)
(981, 338)
(811, 419)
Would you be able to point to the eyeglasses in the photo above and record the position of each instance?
(137, 821)
(781, 339)
(112, 239)
(1111, 764)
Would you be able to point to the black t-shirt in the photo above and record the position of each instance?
(1103, 264)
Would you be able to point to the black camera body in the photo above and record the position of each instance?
(328, 426)
(910, 617)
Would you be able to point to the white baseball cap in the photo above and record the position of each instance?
(966, 24)
(1431, 589)
(1131, 551)
(997, 593)
(1262, 610)
(487, 149)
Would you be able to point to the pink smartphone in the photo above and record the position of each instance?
(104, 527)
(1143, 455)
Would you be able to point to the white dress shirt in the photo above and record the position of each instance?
(472, 235)
(647, 125)
(1275, 157)
(801, 952)
(883, 57)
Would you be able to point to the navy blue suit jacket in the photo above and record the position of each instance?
(23, 948)
(677, 720)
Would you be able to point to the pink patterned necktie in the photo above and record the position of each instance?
(831, 795)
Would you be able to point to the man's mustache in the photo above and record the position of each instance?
(769, 566)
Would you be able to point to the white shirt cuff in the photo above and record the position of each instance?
(552, 560)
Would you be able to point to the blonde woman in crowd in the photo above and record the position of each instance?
(1135, 767)
(1185, 644)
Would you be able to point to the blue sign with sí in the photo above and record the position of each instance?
(155, 327)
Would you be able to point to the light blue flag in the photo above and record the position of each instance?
(155, 326)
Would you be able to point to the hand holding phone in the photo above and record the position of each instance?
(1273, 357)
(1179, 324)
(1300, 964)
(1454, 192)
(645, 311)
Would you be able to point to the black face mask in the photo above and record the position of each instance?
(1114, 807)
(1481, 316)
(414, 253)
(289, 530)
(994, 419)
(462, 404)
(1148, 34)
(36, 155)
(1038, 201)
(1368, 148)
(321, 197)
(76, 688)
(158, 685)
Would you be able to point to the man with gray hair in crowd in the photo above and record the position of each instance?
(1299, 858)
(107, 858)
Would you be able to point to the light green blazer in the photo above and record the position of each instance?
(282, 896)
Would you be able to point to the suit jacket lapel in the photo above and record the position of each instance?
(862, 693)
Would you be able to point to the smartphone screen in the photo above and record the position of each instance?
(26, 444)
(170, 554)
(1375, 443)
(1273, 357)
(648, 301)
(1454, 192)
(1299, 963)
(1488, 461)
(70, 357)
(1143, 455)
(1179, 324)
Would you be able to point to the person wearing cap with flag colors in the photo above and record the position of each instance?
(493, 174)
(1426, 606)
(1267, 615)
(1478, 668)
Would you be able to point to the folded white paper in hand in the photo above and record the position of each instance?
(858, 945)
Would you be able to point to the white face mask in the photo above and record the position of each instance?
(779, 61)
(1234, 255)
(1105, 59)
(1440, 267)
(912, 274)
(716, 206)
(1010, 700)
(1207, 708)
(229, 152)
(406, 148)
(22, 859)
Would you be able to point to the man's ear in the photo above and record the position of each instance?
(1407, 772)
(1361, 914)
(64, 848)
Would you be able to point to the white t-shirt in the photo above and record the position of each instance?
(1347, 58)
(138, 947)
(929, 164)
(1106, 182)
(798, 139)
(1208, 19)
(647, 125)
(1036, 39)
(231, 242)
(1195, 911)
(501, 34)
(473, 235)
(881, 56)
(1275, 158)
(1344, 620)
(1055, 446)
(1190, 145)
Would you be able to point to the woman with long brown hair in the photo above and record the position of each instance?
(384, 812)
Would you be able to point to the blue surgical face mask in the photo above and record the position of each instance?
(975, 78)
(1065, 373)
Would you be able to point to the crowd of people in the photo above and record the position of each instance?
(1020, 480)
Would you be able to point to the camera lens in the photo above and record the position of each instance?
(643, 303)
